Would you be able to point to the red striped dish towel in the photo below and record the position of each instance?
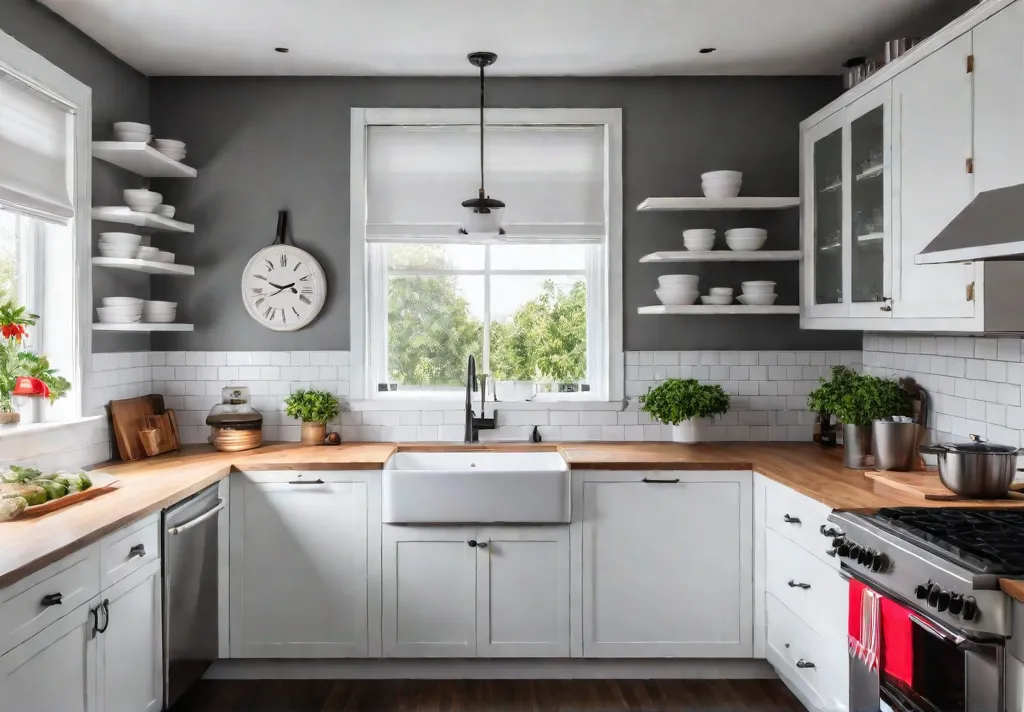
(865, 622)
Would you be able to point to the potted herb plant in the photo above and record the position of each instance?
(315, 409)
(22, 372)
(824, 399)
(686, 405)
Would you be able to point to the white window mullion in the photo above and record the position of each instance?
(377, 316)
(597, 334)
(486, 355)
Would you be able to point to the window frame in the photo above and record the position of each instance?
(64, 291)
(605, 357)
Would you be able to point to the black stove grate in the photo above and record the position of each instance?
(988, 540)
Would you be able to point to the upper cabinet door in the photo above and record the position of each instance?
(826, 240)
(870, 215)
(999, 100)
(932, 137)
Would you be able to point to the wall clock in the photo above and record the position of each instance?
(283, 287)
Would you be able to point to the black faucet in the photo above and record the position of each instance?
(474, 424)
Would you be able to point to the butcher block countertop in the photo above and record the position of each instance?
(149, 485)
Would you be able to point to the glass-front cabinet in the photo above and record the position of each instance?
(846, 211)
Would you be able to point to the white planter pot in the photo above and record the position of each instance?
(690, 431)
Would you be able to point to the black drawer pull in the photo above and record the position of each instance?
(661, 482)
(137, 550)
(794, 584)
(790, 520)
(472, 543)
(106, 615)
(52, 599)
(95, 613)
(317, 481)
(803, 664)
(482, 545)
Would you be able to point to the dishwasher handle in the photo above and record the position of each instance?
(198, 520)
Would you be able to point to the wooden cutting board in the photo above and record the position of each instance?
(927, 485)
(128, 417)
(166, 438)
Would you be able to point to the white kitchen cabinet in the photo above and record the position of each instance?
(298, 565)
(522, 587)
(55, 669)
(130, 648)
(826, 244)
(932, 130)
(667, 564)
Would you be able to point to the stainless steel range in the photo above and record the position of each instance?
(944, 566)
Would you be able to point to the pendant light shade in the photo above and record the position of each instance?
(483, 213)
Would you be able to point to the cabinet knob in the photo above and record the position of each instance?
(885, 308)
(482, 545)
(472, 543)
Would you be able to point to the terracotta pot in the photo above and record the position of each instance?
(314, 433)
(10, 418)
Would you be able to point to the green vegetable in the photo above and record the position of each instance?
(86, 480)
(11, 508)
(312, 406)
(15, 473)
(75, 487)
(10, 476)
(33, 494)
(677, 400)
(858, 399)
(54, 490)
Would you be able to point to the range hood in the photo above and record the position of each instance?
(989, 229)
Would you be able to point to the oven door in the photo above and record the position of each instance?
(949, 672)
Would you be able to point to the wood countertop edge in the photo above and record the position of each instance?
(1014, 588)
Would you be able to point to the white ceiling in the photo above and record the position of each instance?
(531, 37)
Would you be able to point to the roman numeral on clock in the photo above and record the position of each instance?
(257, 290)
(297, 265)
(295, 311)
(307, 290)
(269, 313)
(284, 260)
(270, 265)
(304, 299)
(304, 279)
(259, 302)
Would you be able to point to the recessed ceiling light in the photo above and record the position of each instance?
(707, 50)
(284, 50)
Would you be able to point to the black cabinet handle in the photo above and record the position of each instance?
(137, 550)
(95, 613)
(790, 520)
(317, 481)
(52, 599)
(472, 543)
(661, 482)
(482, 545)
(794, 584)
(106, 616)
(831, 532)
(803, 664)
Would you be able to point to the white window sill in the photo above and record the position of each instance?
(434, 402)
(28, 429)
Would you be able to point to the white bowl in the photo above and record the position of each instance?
(169, 143)
(166, 210)
(120, 239)
(131, 127)
(758, 287)
(716, 301)
(679, 281)
(117, 314)
(154, 304)
(147, 253)
(746, 232)
(121, 308)
(122, 302)
(133, 137)
(720, 189)
(160, 320)
(698, 233)
(142, 201)
(163, 256)
(745, 244)
(721, 291)
(722, 175)
(173, 155)
(125, 253)
(699, 244)
(758, 300)
(677, 296)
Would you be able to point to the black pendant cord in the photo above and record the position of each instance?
(483, 193)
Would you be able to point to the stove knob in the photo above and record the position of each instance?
(970, 610)
(844, 549)
(921, 591)
(943, 602)
(956, 604)
(933, 595)
(880, 563)
(864, 557)
(838, 542)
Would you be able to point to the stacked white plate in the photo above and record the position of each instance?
(721, 184)
(159, 312)
(162, 256)
(677, 288)
(132, 131)
(699, 240)
(174, 150)
(120, 310)
(119, 244)
(758, 293)
(719, 296)
(746, 239)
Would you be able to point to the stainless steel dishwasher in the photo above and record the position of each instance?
(190, 590)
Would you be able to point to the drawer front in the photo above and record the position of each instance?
(801, 520)
(820, 669)
(128, 550)
(816, 593)
(29, 606)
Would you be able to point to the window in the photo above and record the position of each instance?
(533, 306)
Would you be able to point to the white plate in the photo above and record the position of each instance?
(757, 300)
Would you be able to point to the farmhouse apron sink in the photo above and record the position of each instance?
(476, 488)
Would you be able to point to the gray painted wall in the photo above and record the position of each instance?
(119, 93)
(263, 144)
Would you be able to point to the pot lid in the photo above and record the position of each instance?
(251, 419)
(979, 448)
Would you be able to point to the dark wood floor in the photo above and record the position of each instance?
(488, 696)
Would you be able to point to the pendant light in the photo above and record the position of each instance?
(483, 212)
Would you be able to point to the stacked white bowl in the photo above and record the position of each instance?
(166, 211)
(719, 296)
(159, 312)
(171, 148)
(120, 310)
(131, 131)
(699, 240)
(677, 288)
(721, 184)
(745, 239)
(119, 244)
(758, 293)
(148, 253)
(142, 201)
(162, 256)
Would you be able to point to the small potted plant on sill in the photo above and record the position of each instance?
(315, 409)
(22, 372)
(686, 405)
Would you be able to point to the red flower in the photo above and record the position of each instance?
(15, 330)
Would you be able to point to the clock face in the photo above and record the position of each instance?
(283, 287)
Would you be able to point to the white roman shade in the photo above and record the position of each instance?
(35, 163)
(552, 178)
